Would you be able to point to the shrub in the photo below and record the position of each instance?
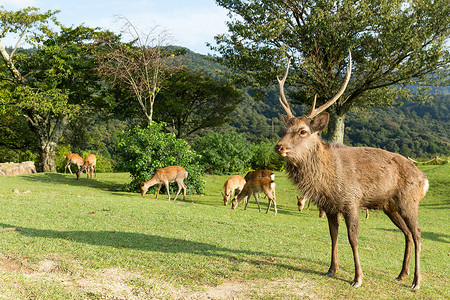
(144, 150)
(224, 153)
(265, 157)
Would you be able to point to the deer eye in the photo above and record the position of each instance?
(303, 132)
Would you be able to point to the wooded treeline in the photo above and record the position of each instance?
(413, 129)
(78, 89)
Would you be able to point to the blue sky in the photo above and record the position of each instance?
(190, 23)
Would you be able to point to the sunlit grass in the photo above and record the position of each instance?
(88, 226)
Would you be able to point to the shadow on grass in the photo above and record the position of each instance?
(58, 178)
(155, 243)
(437, 237)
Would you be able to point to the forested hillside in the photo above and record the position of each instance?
(412, 129)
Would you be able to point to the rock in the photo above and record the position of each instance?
(26, 167)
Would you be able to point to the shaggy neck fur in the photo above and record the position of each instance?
(314, 173)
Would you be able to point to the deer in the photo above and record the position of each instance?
(72, 158)
(254, 187)
(259, 173)
(233, 184)
(341, 179)
(165, 176)
(89, 164)
(301, 204)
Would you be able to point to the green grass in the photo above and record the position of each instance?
(86, 239)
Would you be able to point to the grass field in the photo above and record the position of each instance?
(86, 239)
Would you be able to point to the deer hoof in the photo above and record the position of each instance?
(329, 274)
(415, 287)
(356, 284)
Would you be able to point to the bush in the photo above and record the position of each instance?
(144, 150)
(224, 153)
(265, 157)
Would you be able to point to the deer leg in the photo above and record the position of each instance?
(352, 222)
(333, 225)
(167, 188)
(157, 192)
(400, 223)
(413, 226)
(179, 190)
(257, 201)
(184, 190)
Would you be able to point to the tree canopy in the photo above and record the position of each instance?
(393, 44)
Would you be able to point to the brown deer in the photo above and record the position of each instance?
(233, 184)
(259, 173)
(301, 204)
(72, 158)
(254, 187)
(89, 164)
(341, 179)
(165, 176)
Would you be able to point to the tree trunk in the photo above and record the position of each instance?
(336, 127)
(48, 130)
(47, 157)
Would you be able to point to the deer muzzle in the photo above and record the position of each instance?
(280, 150)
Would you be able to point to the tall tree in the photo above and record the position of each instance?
(49, 83)
(393, 43)
(193, 101)
(141, 65)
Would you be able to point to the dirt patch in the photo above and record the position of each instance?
(117, 283)
(10, 264)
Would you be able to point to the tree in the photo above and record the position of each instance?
(141, 65)
(193, 101)
(393, 44)
(50, 82)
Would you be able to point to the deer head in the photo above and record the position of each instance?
(303, 131)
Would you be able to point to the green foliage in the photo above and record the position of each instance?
(393, 44)
(224, 153)
(264, 157)
(144, 150)
(194, 101)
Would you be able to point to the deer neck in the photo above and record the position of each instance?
(314, 172)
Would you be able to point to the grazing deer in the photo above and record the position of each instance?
(301, 204)
(341, 179)
(259, 173)
(233, 184)
(254, 187)
(72, 158)
(89, 165)
(165, 176)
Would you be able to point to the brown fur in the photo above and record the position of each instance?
(72, 158)
(233, 184)
(90, 163)
(341, 179)
(164, 176)
(254, 187)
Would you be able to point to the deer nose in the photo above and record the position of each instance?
(279, 148)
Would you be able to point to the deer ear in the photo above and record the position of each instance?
(283, 118)
(320, 122)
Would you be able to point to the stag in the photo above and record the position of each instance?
(341, 179)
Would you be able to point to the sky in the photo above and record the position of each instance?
(189, 23)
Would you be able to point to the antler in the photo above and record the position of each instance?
(282, 97)
(314, 112)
